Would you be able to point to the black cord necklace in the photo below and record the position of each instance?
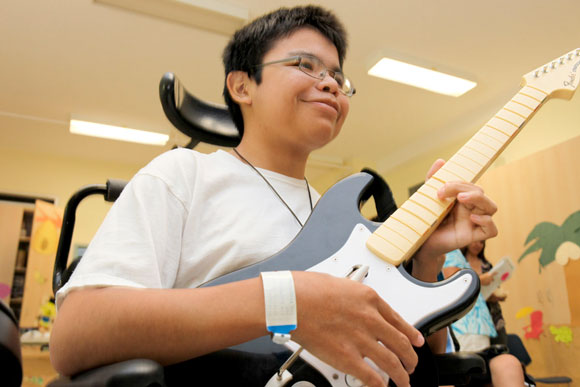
(276, 192)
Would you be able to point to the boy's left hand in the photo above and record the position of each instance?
(469, 220)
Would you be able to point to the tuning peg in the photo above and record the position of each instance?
(537, 73)
(553, 65)
(578, 52)
(545, 69)
(570, 56)
(562, 60)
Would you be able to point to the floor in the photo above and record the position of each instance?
(36, 366)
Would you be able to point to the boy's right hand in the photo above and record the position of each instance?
(342, 322)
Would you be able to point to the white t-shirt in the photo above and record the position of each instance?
(187, 218)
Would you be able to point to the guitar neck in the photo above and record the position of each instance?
(397, 239)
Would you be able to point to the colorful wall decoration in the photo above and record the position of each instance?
(557, 243)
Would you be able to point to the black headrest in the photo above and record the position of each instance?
(202, 121)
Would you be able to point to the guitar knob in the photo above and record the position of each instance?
(351, 381)
(303, 383)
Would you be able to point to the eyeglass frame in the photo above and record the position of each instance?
(326, 71)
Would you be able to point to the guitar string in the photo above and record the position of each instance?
(276, 192)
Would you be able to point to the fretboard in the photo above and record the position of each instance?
(397, 239)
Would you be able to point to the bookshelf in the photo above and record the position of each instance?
(28, 237)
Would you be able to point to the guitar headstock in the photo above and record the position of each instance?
(558, 78)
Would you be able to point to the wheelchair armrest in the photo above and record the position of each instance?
(552, 380)
(457, 368)
(134, 373)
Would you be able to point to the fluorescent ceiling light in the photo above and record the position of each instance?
(117, 133)
(421, 77)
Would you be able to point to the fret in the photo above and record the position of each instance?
(428, 200)
(420, 212)
(411, 220)
(484, 141)
(487, 141)
(431, 192)
(435, 183)
(466, 157)
(497, 135)
(462, 173)
(501, 124)
(445, 173)
(514, 121)
(530, 96)
(403, 223)
(484, 151)
(405, 210)
(461, 162)
(497, 130)
(405, 233)
(426, 208)
(523, 104)
(515, 112)
(475, 155)
(511, 118)
(519, 108)
(493, 141)
(535, 88)
(402, 229)
(394, 238)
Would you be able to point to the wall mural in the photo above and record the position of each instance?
(45, 237)
(558, 243)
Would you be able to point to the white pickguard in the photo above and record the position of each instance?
(412, 301)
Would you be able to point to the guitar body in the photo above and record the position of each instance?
(333, 241)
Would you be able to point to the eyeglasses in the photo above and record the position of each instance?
(312, 66)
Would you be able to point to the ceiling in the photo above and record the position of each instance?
(103, 63)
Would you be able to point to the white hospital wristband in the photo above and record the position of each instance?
(280, 301)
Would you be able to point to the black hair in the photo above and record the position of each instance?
(250, 43)
(480, 255)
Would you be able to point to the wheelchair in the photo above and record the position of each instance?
(211, 123)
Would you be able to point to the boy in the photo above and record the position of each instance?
(187, 218)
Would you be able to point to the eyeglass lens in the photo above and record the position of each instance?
(315, 68)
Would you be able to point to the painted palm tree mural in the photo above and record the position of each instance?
(559, 243)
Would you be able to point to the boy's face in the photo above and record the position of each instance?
(292, 108)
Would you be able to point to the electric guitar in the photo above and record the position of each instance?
(337, 238)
